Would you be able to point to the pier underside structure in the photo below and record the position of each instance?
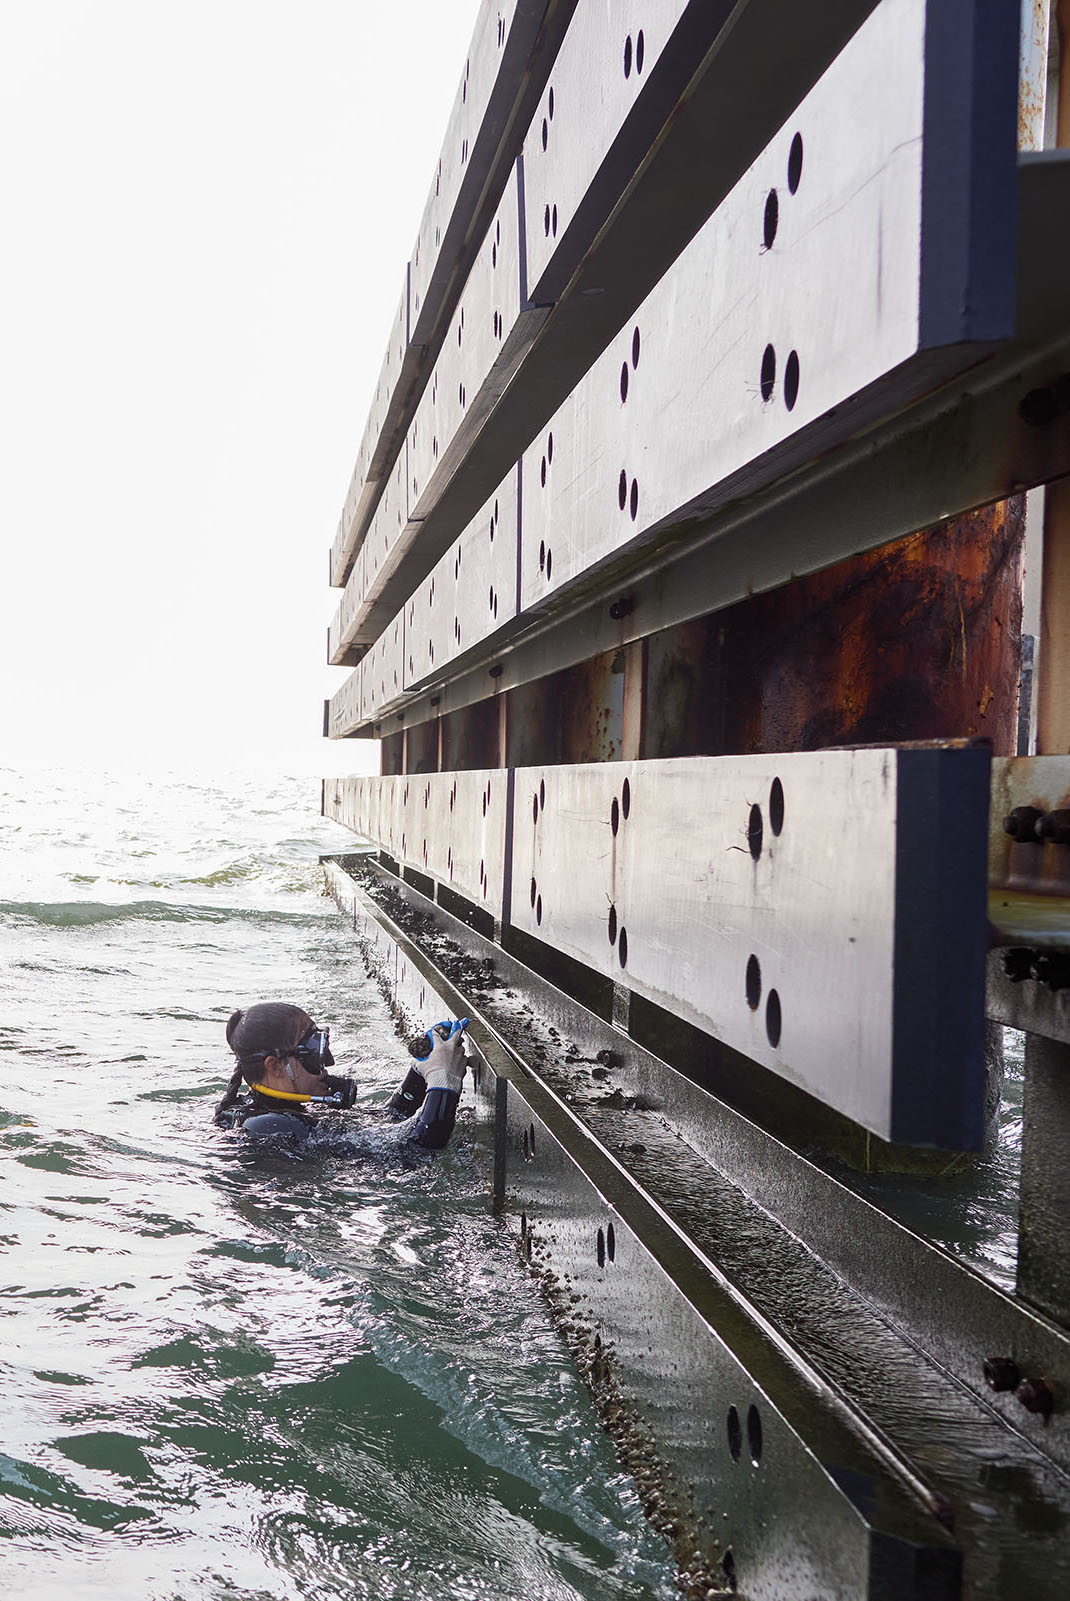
(722, 784)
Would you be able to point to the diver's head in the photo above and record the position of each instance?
(279, 1046)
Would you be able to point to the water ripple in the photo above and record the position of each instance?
(240, 1374)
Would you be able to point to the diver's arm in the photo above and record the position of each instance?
(442, 1073)
(232, 1113)
(408, 1097)
(433, 1123)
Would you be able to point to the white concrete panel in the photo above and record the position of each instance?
(364, 480)
(470, 594)
(478, 335)
(342, 634)
(753, 896)
(475, 865)
(409, 820)
(382, 672)
(416, 1001)
(512, 49)
(425, 624)
(490, 42)
(345, 711)
(353, 802)
(486, 569)
(385, 533)
(451, 826)
(374, 566)
(604, 63)
(391, 818)
(800, 293)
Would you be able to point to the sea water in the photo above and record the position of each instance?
(237, 1375)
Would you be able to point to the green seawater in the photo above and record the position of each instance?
(237, 1375)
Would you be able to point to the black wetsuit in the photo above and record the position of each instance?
(430, 1114)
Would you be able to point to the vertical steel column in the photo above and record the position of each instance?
(632, 715)
(502, 703)
(1044, 1215)
(1053, 664)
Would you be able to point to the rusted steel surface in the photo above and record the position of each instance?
(920, 639)
(421, 748)
(1033, 73)
(572, 716)
(526, 726)
(392, 754)
(471, 737)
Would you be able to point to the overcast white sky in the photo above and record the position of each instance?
(207, 207)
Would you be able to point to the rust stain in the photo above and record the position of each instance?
(901, 643)
(920, 639)
(593, 693)
(1032, 74)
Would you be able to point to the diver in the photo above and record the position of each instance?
(283, 1057)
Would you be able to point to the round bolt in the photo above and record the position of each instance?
(1035, 1395)
(1055, 827)
(1021, 824)
(1001, 1373)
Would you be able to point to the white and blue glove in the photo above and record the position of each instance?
(445, 1067)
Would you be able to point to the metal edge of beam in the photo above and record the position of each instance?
(660, 1344)
(945, 1308)
(887, 1497)
(1028, 1005)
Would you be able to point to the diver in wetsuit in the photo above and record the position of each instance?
(283, 1057)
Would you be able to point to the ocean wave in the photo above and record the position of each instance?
(233, 873)
(87, 914)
